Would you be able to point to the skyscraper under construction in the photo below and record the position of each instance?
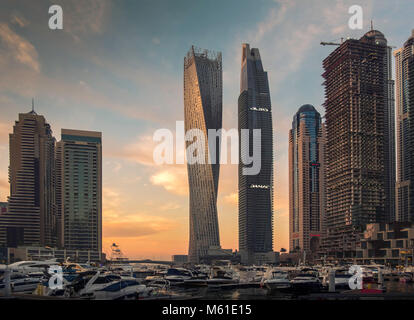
(360, 139)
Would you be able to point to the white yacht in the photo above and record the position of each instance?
(30, 266)
(220, 275)
(276, 279)
(96, 285)
(306, 280)
(178, 275)
(342, 277)
(20, 283)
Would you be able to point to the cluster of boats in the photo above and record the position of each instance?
(317, 279)
(76, 281)
(118, 281)
(145, 281)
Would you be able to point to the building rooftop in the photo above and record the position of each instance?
(306, 108)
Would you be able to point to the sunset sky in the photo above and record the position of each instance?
(117, 67)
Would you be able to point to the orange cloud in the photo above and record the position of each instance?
(145, 236)
(5, 129)
(19, 20)
(18, 48)
(172, 179)
(111, 202)
(4, 189)
(140, 151)
(137, 227)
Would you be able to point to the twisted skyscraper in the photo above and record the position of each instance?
(203, 94)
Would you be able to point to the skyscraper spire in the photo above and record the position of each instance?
(372, 25)
(32, 111)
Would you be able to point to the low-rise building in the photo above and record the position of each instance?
(386, 243)
(180, 258)
(216, 253)
(45, 253)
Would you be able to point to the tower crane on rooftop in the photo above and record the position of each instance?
(332, 43)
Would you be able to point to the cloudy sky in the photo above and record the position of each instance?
(117, 67)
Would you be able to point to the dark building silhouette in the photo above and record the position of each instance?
(255, 191)
(30, 219)
(410, 217)
(405, 191)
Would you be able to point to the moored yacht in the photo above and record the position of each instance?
(276, 279)
(30, 266)
(100, 286)
(306, 280)
(20, 282)
(342, 277)
(220, 275)
(178, 275)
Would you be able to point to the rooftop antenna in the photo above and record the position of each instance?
(32, 104)
(372, 25)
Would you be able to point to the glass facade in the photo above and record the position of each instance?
(81, 189)
(255, 191)
(203, 92)
(306, 148)
(404, 196)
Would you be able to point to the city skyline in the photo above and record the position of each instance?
(145, 206)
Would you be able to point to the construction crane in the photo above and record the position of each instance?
(331, 43)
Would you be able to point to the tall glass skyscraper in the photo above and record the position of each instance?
(255, 191)
(306, 180)
(203, 94)
(80, 187)
(405, 188)
(30, 219)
